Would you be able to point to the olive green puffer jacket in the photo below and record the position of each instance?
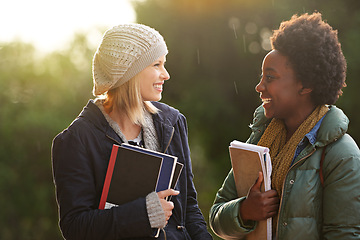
(308, 210)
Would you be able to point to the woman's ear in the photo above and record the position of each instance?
(304, 91)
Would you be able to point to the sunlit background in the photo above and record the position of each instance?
(215, 52)
(49, 25)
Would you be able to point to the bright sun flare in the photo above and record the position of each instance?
(50, 24)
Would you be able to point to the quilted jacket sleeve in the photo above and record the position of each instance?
(341, 196)
(224, 214)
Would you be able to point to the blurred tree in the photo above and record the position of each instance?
(40, 95)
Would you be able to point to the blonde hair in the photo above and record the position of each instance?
(127, 98)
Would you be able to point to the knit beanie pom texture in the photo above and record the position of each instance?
(125, 51)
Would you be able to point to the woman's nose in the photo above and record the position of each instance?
(165, 75)
(260, 86)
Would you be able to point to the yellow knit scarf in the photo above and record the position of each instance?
(282, 152)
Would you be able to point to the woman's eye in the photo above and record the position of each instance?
(269, 77)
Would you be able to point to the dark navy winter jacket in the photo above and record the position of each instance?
(80, 157)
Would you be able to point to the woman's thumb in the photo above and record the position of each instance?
(259, 181)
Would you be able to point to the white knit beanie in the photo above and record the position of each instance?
(125, 51)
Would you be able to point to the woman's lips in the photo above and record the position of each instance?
(158, 86)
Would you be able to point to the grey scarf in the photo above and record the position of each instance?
(149, 133)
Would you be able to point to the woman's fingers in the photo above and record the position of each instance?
(168, 192)
(167, 206)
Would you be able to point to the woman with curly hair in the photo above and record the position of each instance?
(316, 165)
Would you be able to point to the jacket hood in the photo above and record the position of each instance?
(334, 125)
(164, 121)
(168, 115)
(92, 112)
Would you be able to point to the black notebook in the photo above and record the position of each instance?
(134, 172)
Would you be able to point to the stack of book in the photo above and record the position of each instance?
(134, 172)
(247, 161)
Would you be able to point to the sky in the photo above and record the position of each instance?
(49, 25)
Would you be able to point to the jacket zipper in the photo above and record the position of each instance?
(172, 134)
(179, 227)
(282, 189)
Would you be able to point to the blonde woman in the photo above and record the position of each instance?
(128, 74)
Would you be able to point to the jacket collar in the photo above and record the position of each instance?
(312, 135)
(334, 125)
(93, 114)
(164, 122)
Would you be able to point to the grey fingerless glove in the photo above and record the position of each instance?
(155, 212)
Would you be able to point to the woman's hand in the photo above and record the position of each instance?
(259, 205)
(167, 206)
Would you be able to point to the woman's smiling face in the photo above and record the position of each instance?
(152, 79)
(278, 87)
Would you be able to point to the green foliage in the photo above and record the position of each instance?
(40, 96)
(215, 55)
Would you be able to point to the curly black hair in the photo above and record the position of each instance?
(313, 50)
